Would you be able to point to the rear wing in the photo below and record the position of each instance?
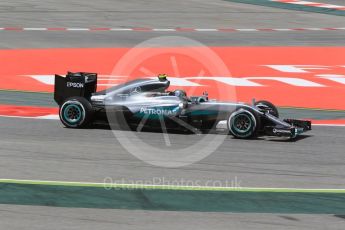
(74, 84)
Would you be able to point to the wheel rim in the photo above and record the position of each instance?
(242, 123)
(72, 113)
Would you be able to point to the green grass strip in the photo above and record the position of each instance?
(172, 198)
(25, 98)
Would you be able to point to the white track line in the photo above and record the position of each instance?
(35, 29)
(330, 125)
(45, 117)
(120, 29)
(163, 30)
(207, 30)
(78, 29)
(247, 30)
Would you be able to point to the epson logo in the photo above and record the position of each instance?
(75, 85)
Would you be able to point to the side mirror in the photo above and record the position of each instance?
(183, 105)
(205, 95)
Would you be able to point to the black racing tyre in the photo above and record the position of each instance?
(243, 123)
(76, 112)
(272, 108)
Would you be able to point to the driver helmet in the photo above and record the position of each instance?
(162, 77)
(180, 93)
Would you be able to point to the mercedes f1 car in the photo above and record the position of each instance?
(147, 103)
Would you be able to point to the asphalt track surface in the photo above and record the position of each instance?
(44, 150)
(40, 149)
(160, 14)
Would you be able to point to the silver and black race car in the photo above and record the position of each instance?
(148, 103)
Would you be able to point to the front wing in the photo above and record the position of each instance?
(286, 128)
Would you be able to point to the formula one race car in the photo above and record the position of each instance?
(147, 103)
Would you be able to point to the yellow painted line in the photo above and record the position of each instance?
(168, 187)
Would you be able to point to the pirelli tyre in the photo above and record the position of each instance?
(271, 108)
(243, 123)
(76, 112)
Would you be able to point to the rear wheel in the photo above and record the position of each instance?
(243, 123)
(76, 112)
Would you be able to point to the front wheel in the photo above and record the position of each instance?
(268, 106)
(76, 112)
(243, 124)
